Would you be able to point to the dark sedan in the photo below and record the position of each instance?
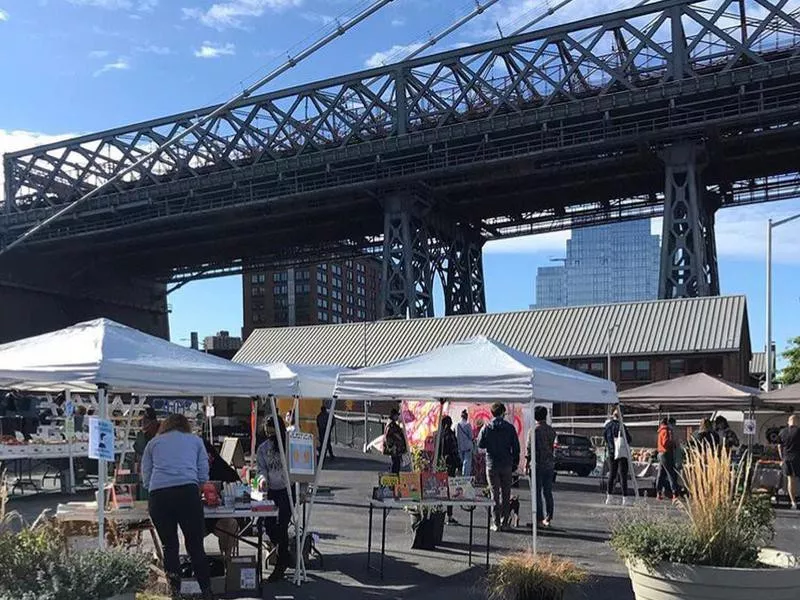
(574, 453)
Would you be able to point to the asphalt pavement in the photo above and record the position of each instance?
(580, 532)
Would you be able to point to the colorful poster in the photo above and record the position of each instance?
(480, 414)
(301, 454)
(421, 420)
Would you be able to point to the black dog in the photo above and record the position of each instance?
(514, 510)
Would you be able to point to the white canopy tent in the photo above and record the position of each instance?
(477, 370)
(103, 356)
(306, 381)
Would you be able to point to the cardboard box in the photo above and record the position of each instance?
(241, 575)
(190, 587)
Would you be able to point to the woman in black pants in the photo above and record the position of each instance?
(272, 478)
(174, 466)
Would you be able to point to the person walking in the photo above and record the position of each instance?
(394, 441)
(272, 480)
(617, 439)
(174, 466)
(789, 450)
(448, 451)
(667, 476)
(466, 443)
(727, 436)
(499, 439)
(322, 425)
(544, 439)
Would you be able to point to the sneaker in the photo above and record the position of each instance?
(626, 501)
(795, 507)
(495, 527)
(546, 522)
(277, 574)
(609, 499)
(659, 496)
(452, 521)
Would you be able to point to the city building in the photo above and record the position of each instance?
(221, 341)
(649, 341)
(618, 262)
(326, 293)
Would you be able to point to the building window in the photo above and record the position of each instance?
(280, 276)
(322, 316)
(322, 276)
(302, 288)
(336, 270)
(635, 370)
(256, 318)
(677, 367)
(361, 291)
(361, 279)
(280, 289)
(303, 275)
(322, 290)
(257, 291)
(362, 314)
(593, 367)
(258, 278)
(337, 283)
(336, 295)
(362, 302)
(360, 268)
(322, 303)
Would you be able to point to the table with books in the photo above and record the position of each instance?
(419, 490)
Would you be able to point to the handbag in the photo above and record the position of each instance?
(621, 447)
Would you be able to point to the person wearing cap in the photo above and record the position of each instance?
(499, 439)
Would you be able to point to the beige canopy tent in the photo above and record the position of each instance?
(699, 391)
(785, 397)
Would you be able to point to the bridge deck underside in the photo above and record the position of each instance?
(571, 165)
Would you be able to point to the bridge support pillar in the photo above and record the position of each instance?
(407, 258)
(688, 247)
(462, 273)
(420, 243)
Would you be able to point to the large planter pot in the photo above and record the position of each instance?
(672, 581)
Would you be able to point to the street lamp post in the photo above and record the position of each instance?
(770, 226)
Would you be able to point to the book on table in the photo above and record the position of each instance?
(387, 486)
(434, 486)
(461, 488)
(409, 487)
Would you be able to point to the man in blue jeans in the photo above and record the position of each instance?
(499, 439)
(544, 440)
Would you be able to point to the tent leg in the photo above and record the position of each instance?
(534, 495)
(437, 450)
(102, 400)
(317, 476)
(70, 439)
(630, 469)
(253, 431)
(299, 567)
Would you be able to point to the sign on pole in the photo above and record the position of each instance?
(101, 439)
(749, 426)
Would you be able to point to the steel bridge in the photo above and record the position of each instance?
(674, 107)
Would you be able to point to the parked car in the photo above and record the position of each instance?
(574, 453)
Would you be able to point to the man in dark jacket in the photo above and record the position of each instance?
(322, 425)
(618, 465)
(499, 439)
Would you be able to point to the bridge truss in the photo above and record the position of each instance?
(674, 108)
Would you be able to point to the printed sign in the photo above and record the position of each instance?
(101, 439)
(69, 427)
(69, 409)
(210, 412)
(301, 453)
(749, 426)
(247, 579)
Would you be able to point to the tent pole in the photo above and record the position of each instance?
(534, 494)
(102, 400)
(253, 431)
(436, 450)
(630, 467)
(298, 555)
(325, 438)
(70, 438)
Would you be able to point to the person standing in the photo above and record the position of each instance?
(499, 439)
(466, 443)
(666, 462)
(272, 480)
(706, 435)
(727, 436)
(322, 425)
(174, 466)
(789, 450)
(448, 451)
(394, 441)
(618, 441)
(148, 430)
(544, 439)
(225, 530)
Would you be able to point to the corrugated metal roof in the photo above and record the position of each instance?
(758, 363)
(657, 327)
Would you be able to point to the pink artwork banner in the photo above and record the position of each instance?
(421, 419)
(480, 414)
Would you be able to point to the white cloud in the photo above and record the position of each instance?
(398, 22)
(393, 54)
(3, 15)
(140, 5)
(98, 53)
(121, 64)
(212, 50)
(14, 140)
(315, 17)
(231, 14)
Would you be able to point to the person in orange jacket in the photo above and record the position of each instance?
(667, 476)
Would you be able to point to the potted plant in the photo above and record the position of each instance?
(528, 576)
(427, 522)
(34, 565)
(715, 547)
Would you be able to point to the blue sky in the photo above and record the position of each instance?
(76, 66)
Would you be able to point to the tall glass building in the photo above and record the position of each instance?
(618, 262)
